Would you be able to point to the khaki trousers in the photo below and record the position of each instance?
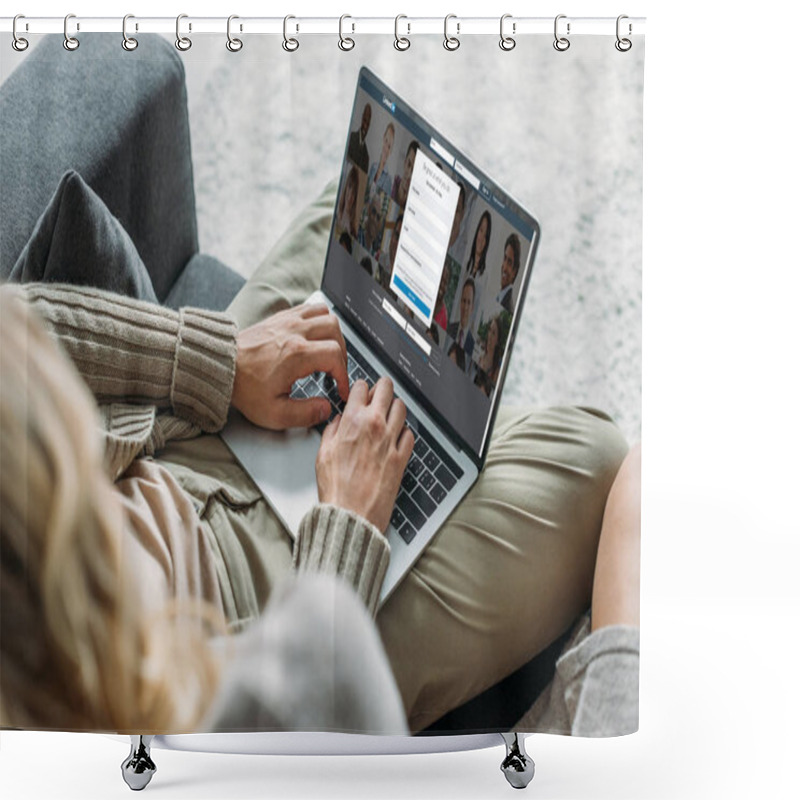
(506, 575)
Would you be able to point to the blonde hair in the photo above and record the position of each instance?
(76, 652)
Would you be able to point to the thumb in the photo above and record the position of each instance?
(294, 413)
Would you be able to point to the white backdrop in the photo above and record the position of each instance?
(719, 695)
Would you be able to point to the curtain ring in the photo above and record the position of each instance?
(233, 44)
(401, 42)
(451, 42)
(561, 43)
(623, 45)
(290, 44)
(507, 42)
(18, 43)
(183, 43)
(345, 42)
(128, 42)
(70, 42)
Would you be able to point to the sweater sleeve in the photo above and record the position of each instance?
(338, 542)
(143, 353)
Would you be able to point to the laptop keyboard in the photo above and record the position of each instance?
(430, 474)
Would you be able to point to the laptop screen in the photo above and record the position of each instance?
(428, 259)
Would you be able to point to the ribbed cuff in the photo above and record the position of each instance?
(125, 431)
(339, 542)
(132, 351)
(205, 365)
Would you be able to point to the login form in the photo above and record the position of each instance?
(424, 237)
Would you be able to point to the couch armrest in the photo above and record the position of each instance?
(120, 120)
(204, 283)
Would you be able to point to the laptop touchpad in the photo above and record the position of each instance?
(280, 463)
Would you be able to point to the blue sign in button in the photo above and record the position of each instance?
(411, 296)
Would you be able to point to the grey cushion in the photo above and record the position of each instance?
(78, 241)
(205, 283)
(117, 118)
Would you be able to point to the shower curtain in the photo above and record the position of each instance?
(211, 165)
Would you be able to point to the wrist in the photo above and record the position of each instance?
(340, 501)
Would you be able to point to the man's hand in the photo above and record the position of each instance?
(274, 353)
(364, 452)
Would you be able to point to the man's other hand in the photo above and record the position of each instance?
(364, 452)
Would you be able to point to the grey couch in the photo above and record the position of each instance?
(122, 124)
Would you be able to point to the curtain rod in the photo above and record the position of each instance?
(348, 25)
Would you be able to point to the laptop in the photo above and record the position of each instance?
(427, 267)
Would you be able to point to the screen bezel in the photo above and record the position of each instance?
(479, 456)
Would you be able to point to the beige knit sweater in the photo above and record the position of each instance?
(160, 375)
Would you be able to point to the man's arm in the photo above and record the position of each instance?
(137, 352)
(360, 463)
(194, 361)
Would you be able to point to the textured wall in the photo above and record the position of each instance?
(562, 132)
